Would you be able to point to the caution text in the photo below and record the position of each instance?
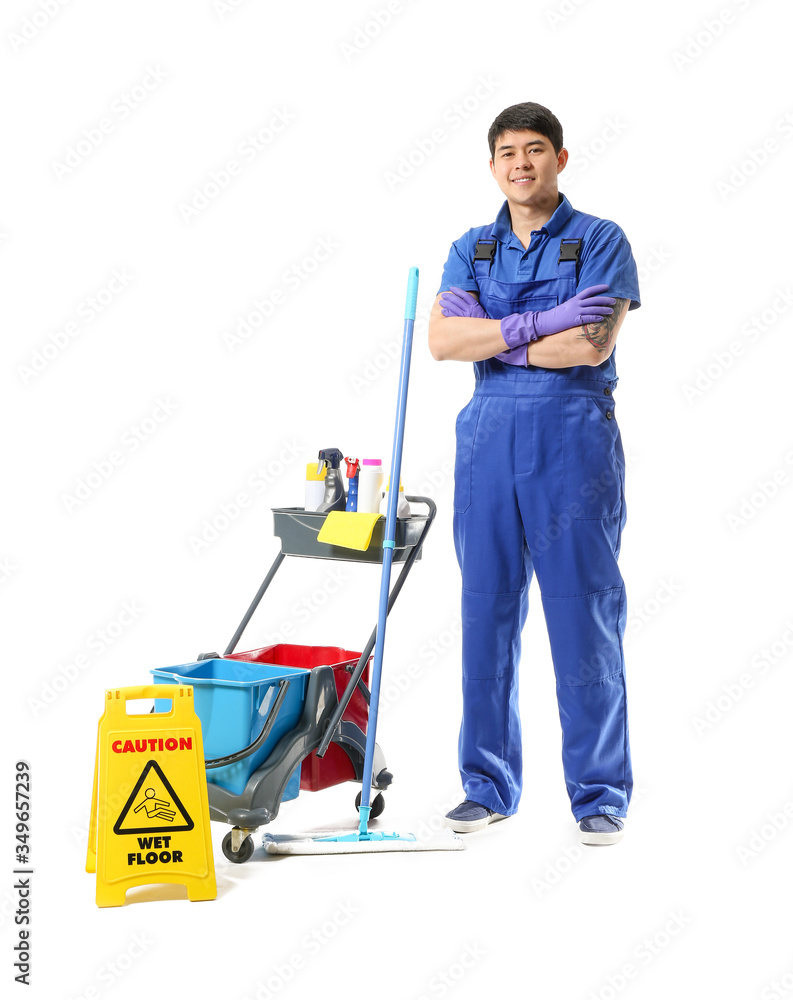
(149, 746)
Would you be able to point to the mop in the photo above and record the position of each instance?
(364, 841)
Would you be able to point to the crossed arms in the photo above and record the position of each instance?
(463, 338)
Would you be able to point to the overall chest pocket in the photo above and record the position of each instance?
(594, 463)
(502, 298)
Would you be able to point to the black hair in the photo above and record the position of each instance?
(527, 117)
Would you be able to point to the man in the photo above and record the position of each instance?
(536, 301)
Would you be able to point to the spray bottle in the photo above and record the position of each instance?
(335, 498)
(353, 465)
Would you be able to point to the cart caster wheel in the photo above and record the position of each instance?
(384, 779)
(378, 804)
(244, 853)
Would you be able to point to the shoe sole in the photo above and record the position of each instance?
(471, 825)
(600, 839)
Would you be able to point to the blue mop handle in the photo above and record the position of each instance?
(388, 548)
(410, 302)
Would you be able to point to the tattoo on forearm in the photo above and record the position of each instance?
(600, 335)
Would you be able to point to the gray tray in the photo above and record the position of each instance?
(298, 529)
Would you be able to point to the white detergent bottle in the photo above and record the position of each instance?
(403, 507)
(370, 485)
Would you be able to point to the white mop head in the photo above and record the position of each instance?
(445, 840)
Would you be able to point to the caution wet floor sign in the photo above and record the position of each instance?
(150, 811)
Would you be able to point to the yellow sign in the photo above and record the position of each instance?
(154, 765)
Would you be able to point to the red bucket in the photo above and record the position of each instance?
(335, 766)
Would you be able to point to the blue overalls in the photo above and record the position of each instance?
(539, 478)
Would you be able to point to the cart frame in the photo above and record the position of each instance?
(321, 722)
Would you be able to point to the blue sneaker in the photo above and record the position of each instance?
(601, 829)
(470, 816)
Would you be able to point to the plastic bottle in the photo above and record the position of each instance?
(370, 484)
(403, 507)
(315, 486)
(353, 465)
(335, 497)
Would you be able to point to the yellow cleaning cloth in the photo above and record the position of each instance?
(348, 528)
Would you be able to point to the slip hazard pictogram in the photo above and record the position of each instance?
(153, 806)
(150, 809)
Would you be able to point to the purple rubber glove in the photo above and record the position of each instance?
(588, 306)
(457, 302)
(514, 356)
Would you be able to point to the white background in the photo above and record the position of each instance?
(674, 118)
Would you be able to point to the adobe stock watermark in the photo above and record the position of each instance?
(364, 376)
(120, 110)
(569, 858)
(109, 973)
(247, 324)
(52, 688)
(86, 312)
(309, 604)
(755, 158)
(436, 481)
(373, 367)
(225, 7)
(760, 323)
(130, 441)
(426, 829)
(429, 653)
(773, 824)
(763, 492)
(655, 260)
(642, 615)
(445, 979)
(643, 955)
(583, 156)
(603, 664)
(108, 806)
(707, 33)
(256, 484)
(733, 692)
(367, 31)
(591, 491)
(246, 152)
(555, 870)
(451, 119)
(562, 12)
(7, 569)
(34, 22)
(312, 944)
(777, 989)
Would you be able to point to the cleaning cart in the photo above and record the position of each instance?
(287, 717)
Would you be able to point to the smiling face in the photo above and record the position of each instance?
(526, 167)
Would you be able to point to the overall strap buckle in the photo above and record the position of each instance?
(569, 250)
(485, 250)
(570, 247)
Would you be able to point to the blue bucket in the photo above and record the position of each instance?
(232, 700)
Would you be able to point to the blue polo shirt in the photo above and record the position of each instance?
(605, 258)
